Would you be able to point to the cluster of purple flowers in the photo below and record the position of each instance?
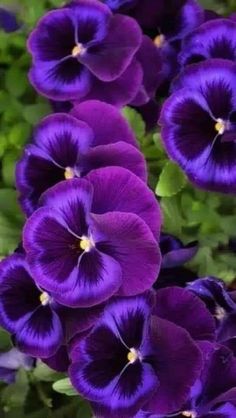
(95, 289)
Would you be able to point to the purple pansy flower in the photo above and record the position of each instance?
(213, 39)
(83, 258)
(214, 394)
(10, 362)
(220, 302)
(131, 357)
(78, 50)
(198, 124)
(174, 255)
(67, 146)
(39, 325)
(8, 21)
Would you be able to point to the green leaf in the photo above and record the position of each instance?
(16, 81)
(8, 168)
(5, 340)
(64, 386)
(136, 122)
(9, 206)
(35, 112)
(171, 180)
(15, 395)
(171, 210)
(19, 134)
(43, 373)
(84, 410)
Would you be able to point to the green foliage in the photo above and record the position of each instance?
(64, 386)
(171, 180)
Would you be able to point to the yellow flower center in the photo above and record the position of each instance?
(86, 244)
(77, 50)
(44, 298)
(132, 355)
(189, 414)
(159, 40)
(69, 173)
(220, 126)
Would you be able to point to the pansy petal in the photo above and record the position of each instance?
(126, 238)
(41, 335)
(35, 173)
(53, 38)
(107, 122)
(121, 91)
(213, 39)
(96, 278)
(172, 304)
(19, 296)
(130, 393)
(110, 59)
(118, 154)
(63, 80)
(63, 138)
(72, 199)
(48, 245)
(180, 366)
(59, 361)
(125, 197)
(78, 320)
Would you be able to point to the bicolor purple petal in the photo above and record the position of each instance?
(196, 122)
(125, 197)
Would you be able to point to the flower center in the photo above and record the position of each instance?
(44, 298)
(220, 126)
(86, 244)
(69, 173)
(159, 40)
(133, 355)
(189, 414)
(77, 50)
(220, 312)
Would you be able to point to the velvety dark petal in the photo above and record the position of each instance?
(213, 39)
(91, 21)
(49, 248)
(219, 361)
(121, 91)
(212, 289)
(125, 197)
(214, 79)
(72, 199)
(41, 335)
(118, 154)
(109, 59)
(59, 361)
(174, 253)
(227, 329)
(54, 36)
(35, 173)
(151, 60)
(19, 296)
(127, 239)
(95, 278)
(63, 138)
(77, 320)
(177, 362)
(63, 80)
(186, 310)
(107, 123)
(100, 370)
